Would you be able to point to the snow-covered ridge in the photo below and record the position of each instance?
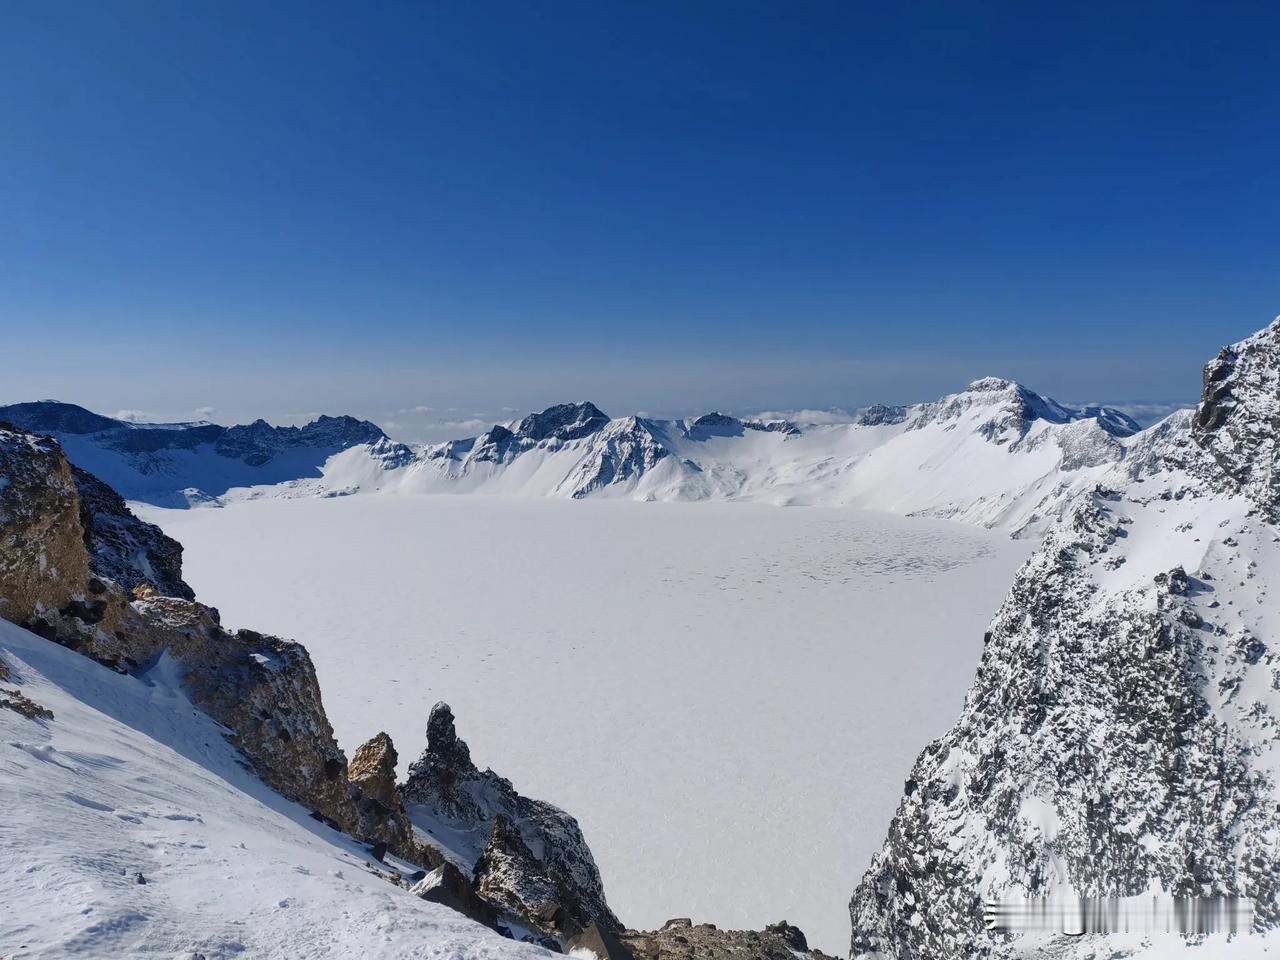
(1120, 737)
(172, 464)
(994, 454)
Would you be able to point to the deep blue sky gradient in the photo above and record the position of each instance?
(282, 208)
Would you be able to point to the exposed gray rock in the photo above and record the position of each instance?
(682, 940)
(510, 877)
(123, 548)
(879, 414)
(23, 705)
(535, 854)
(447, 885)
(565, 421)
(603, 944)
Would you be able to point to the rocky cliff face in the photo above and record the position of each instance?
(1121, 733)
(535, 863)
(78, 568)
(43, 560)
(123, 548)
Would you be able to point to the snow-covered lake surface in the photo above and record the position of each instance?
(727, 696)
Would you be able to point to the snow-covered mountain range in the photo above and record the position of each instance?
(995, 454)
(176, 464)
(1122, 736)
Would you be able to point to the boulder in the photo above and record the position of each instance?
(447, 885)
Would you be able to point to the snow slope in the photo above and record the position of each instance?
(727, 696)
(129, 779)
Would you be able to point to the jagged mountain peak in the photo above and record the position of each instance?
(564, 421)
(1014, 409)
(1239, 415)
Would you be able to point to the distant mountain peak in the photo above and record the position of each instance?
(564, 421)
(992, 384)
(55, 416)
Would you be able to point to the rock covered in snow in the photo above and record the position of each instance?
(535, 861)
(880, 414)
(123, 548)
(1239, 417)
(565, 421)
(509, 876)
(1120, 735)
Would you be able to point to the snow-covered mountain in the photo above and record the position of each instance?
(995, 454)
(1121, 736)
(174, 464)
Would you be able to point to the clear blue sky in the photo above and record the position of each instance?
(282, 208)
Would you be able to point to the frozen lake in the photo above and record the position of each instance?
(727, 696)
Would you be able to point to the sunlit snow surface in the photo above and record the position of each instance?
(129, 780)
(727, 696)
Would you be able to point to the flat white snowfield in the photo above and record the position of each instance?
(727, 696)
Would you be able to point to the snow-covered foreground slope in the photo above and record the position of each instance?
(129, 779)
(727, 696)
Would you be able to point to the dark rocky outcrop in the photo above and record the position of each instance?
(447, 885)
(564, 421)
(22, 705)
(682, 940)
(1238, 420)
(509, 876)
(881, 414)
(43, 561)
(123, 548)
(536, 863)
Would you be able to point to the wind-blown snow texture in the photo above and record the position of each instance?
(128, 780)
(995, 454)
(1121, 735)
(726, 696)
